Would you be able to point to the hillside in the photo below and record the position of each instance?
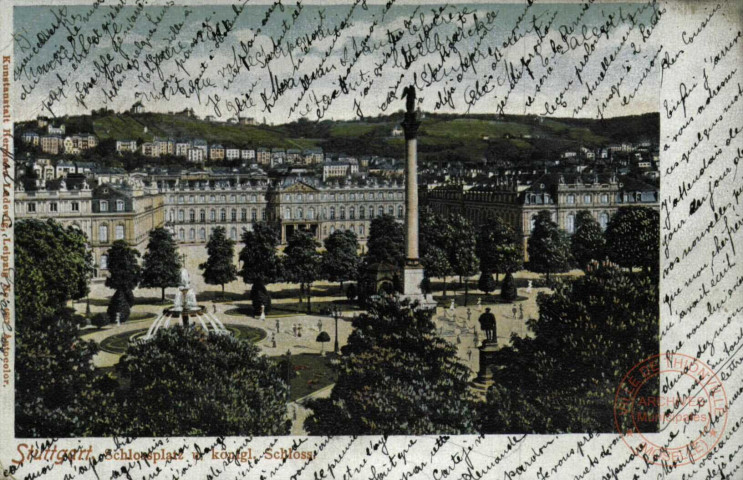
(441, 137)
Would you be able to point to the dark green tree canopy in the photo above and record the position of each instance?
(396, 376)
(123, 268)
(498, 247)
(213, 385)
(340, 261)
(301, 258)
(435, 236)
(57, 392)
(588, 242)
(566, 361)
(548, 247)
(260, 262)
(160, 263)
(386, 242)
(633, 237)
(52, 266)
(462, 246)
(219, 267)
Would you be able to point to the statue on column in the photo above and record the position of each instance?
(408, 93)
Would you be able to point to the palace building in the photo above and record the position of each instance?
(563, 195)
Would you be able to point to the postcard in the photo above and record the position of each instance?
(309, 239)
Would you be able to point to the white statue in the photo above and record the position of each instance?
(479, 304)
(528, 288)
(263, 313)
(185, 279)
(451, 307)
(191, 300)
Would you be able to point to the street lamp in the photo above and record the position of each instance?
(336, 313)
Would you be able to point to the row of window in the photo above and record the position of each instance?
(53, 207)
(103, 205)
(103, 233)
(213, 215)
(342, 197)
(213, 198)
(604, 198)
(299, 214)
(570, 221)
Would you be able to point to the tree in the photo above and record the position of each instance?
(302, 262)
(435, 234)
(219, 269)
(219, 385)
(340, 261)
(124, 271)
(486, 283)
(57, 391)
(588, 242)
(53, 265)
(100, 320)
(498, 248)
(260, 263)
(462, 250)
(564, 362)
(548, 247)
(161, 265)
(633, 238)
(508, 291)
(386, 242)
(351, 292)
(412, 381)
(118, 305)
(323, 337)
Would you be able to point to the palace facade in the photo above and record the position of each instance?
(563, 195)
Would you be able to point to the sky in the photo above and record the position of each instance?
(338, 61)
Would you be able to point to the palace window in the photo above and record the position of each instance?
(254, 214)
(103, 206)
(361, 230)
(244, 215)
(603, 220)
(390, 210)
(31, 207)
(213, 215)
(119, 232)
(571, 199)
(604, 198)
(103, 233)
(586, 199)
(400, 212)
(332, 213)
(287, 213)
(75, 206)
(362, 212)
(343, 213)
(223, 215)
(300, 213)
(202, 216)
(233, 215)
(233, 233)
(191, 216)
(104, 262)
(380, 211)
(570, 223)
(53, 207)
(180, 215)
(192, 234)
(311, 213)
(352, 213)
(202, 234)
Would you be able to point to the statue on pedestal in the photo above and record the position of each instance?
(487, 324)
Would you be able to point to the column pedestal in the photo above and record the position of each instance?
(485, 374)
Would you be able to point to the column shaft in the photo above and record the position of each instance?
(411, 202)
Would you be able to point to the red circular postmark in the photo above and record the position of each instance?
(671, 409)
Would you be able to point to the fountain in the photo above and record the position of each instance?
(187, 309)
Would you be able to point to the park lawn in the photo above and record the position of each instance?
(312, 372)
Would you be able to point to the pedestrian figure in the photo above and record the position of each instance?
(214, 307)
(319, 325)
(479, 304)
(273, 341)
(459, 340)
(521, 311)
(528, 288)
(294, 329)
(469, 315)
(469, 354)
(299, 330)
(451, 307)
(487, 324)
(263, 313)
(514, 310)
(277, 325)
